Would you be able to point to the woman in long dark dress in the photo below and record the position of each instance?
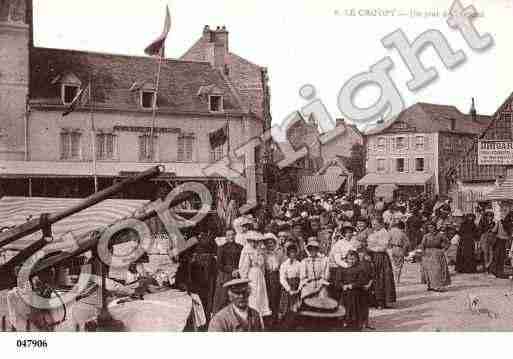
(435, 270)
(466, 257)
(228, 256)
(354, 279)
(383, 284)
(203, 271)
(502, 232)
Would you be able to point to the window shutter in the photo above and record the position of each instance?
(99, 147)
(180, 148)
(426, 164)
(407, 142)
(64, 145)
(142, 150)
(427, 143)
(406, 165)
(110, 146)
(75, 144)
(155, 147)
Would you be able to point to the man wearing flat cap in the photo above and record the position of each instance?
(237, 316)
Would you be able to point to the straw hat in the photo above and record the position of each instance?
(313, 243)
(253, 236)
(270, 236)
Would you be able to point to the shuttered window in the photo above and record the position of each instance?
(146, 150)
(185, 147)
(216, 154)
(105, 145)
(70, 145)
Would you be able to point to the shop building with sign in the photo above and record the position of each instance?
(411, 153)
(485, 167)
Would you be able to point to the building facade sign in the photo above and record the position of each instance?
(495, 153)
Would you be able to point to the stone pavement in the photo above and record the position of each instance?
(419, 310)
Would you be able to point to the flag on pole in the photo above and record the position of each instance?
(222, 201)
(218, 137)
(78, 97)
(157, 46)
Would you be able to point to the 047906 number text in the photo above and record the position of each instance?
(31, 343)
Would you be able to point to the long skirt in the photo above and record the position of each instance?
(451, 253)
(383, 284)
(356, 303)
(272, 280)
(334, 290)
(221, 294)
(258, 298)
(203, 278)
(466, 256)
(397, 261)
(289, 303)
(434, 269)
(499, 255)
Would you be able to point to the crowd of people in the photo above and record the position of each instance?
(336, 249)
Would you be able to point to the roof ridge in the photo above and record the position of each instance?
(99, 53)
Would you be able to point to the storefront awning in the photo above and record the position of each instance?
(400, 179)
(502, 193)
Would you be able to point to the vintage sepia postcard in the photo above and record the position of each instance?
(335, 166)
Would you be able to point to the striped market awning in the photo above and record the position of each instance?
(17, 210)
(319, 184)
(502, 193)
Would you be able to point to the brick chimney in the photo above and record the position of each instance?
(218, 38)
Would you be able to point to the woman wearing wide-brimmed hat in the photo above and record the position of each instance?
(315, 271)
(252, 267)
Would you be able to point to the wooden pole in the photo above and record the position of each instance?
(93, 133)
(154, 112)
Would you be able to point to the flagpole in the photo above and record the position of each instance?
(93, 133)
(154, 112)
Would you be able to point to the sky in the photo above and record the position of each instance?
(300, 42)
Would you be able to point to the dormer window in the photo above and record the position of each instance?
(69, 92)
(70, 87)
(147, 99)
(215, 103)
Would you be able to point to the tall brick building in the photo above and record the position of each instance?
(46, 154)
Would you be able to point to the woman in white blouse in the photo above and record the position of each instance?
(252, 267)
(383, 284)
(289, 280)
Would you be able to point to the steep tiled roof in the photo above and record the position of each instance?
(114, 75)
(443, 114)
(436, 118)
